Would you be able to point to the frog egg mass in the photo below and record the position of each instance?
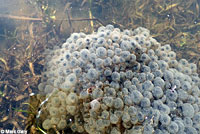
(120, 82)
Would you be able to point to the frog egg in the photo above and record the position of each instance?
(76, 54)
(125, 37)
(145, 102)
(73, 62)
(49, 105)
(85, 54)
(147, 86)
(92, 74)
(101, 34)
(164, 119)
(154, 58)
(65, 45)
(109, 27)
(101, 41)
(193, 67)
(101, 52)
(125, 45)
(75, 36)
(113, 46)
(80, 43)
(72, 47)
(57, 83)
(127, 125)
(142, 77)
(115, 76)
(196, 118)
(127, 100)
(48, 89)
(95, 105)
(110, 92)
(62, 124)
(71, 79)
(97, 93)
(190, 130)
(186, 86)
(71, 109)
(167, 59)
(118, 103)
(187, 121)
(187, 110)
(108, 101)
(72, 98)
(171, 95)
(125, 91)
(55, 101)
(163, 108)
(55, 120)
(115, 36)
(134, 120)
(163, 65)
(157, 92)
(62, 95)
(158, 81)
(92, 57)
(167, 48)
(65, 87)
(62, 110)
(140, 116)
(101, 29)
(127, 32)
(151, 52)
(134, 44)
(105, 114)
(125, 117)
(114, 119)
(148, 129)
(132, 58)
(173, 63)
(41, 86)
(144, 58)
(132, 111)
(136, 96)
(46, 124)
(53, 111)
(99, 62)
(116, 59)
(172, 55)
(100, 124)
(149, 76)
(187, 70)
(168, 75)
(145, 69)
(117, 51)
(77, 71)
(108, 61)
(67, 55)
(125, 55)
(84, 94)
(110, 53)
(173, 127)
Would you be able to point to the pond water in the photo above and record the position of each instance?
(32, 31)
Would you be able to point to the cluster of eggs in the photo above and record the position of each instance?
(113, 82)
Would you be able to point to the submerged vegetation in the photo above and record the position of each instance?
(45, 23)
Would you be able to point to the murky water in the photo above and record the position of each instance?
(28, 28)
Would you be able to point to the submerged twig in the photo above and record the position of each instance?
(40, 19)
(20, 17)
